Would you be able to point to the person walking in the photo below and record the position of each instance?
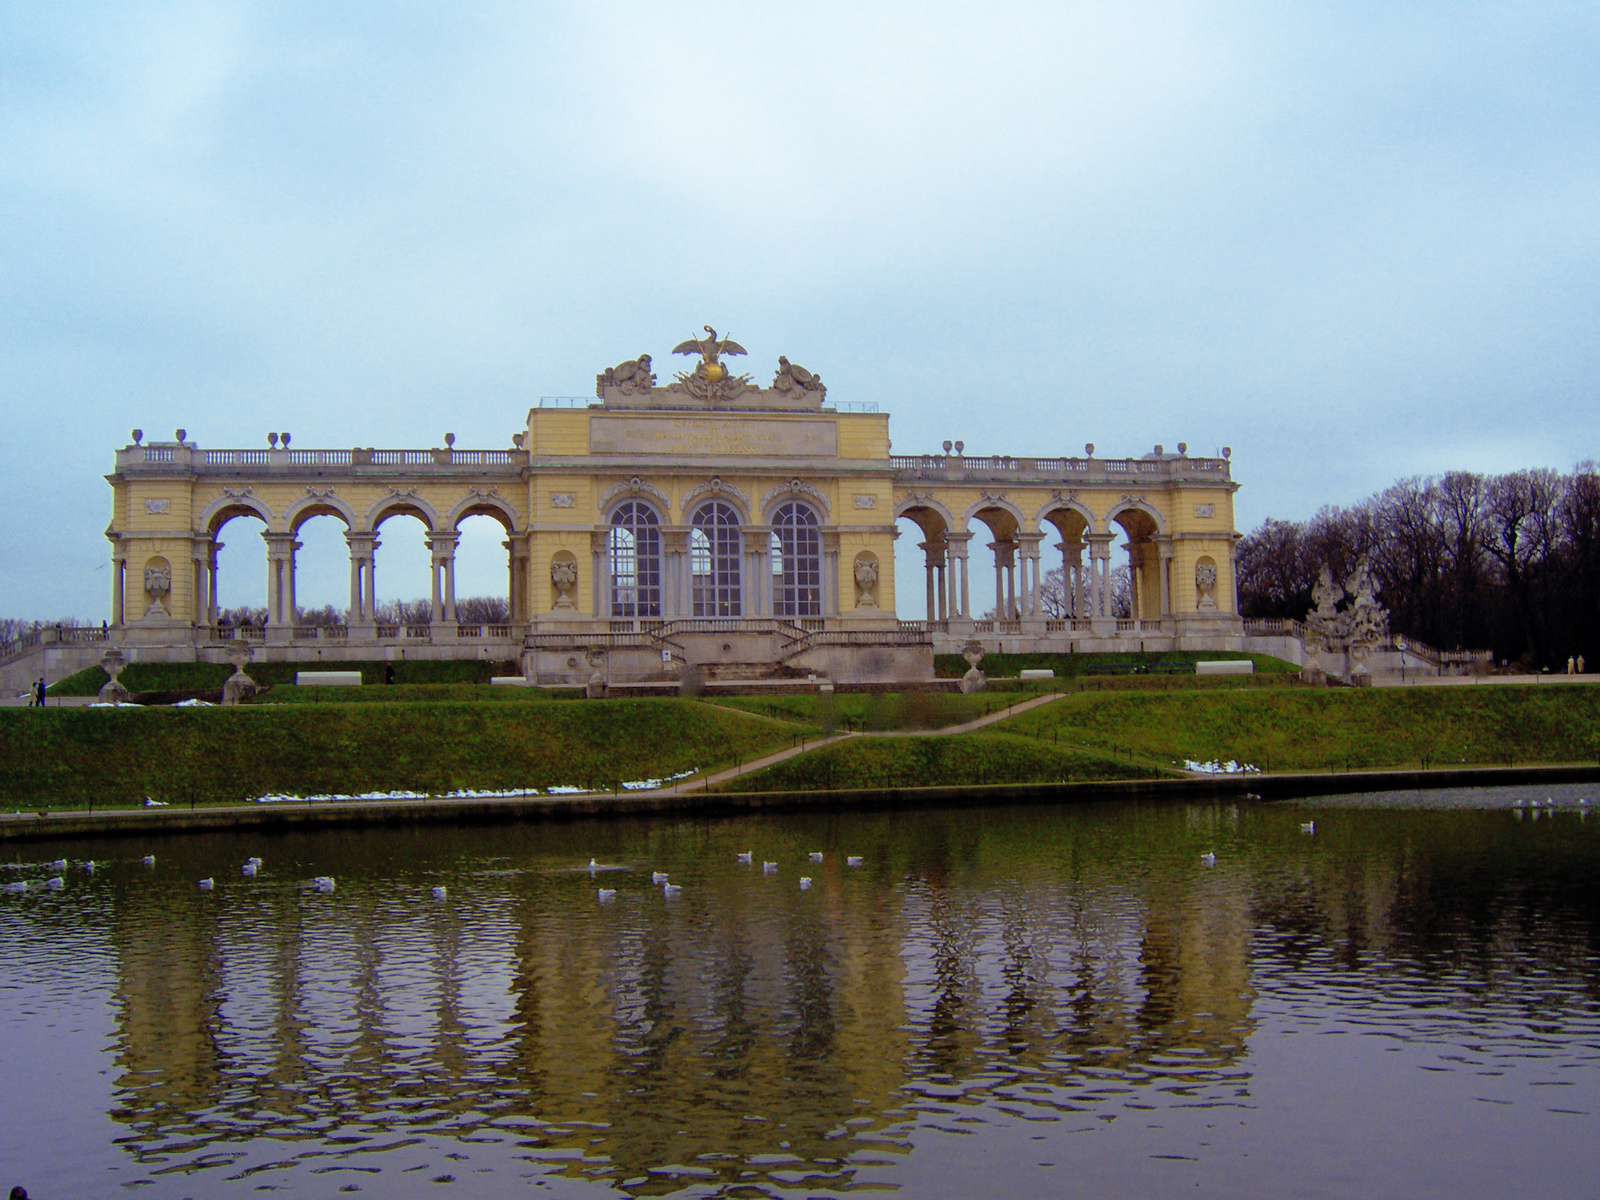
(38, 693)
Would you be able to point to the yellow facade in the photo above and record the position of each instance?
(656, 506)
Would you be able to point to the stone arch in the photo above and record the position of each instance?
(1135, 504)
(317, 504)
(988, 503)
(716, 488)
(1057, 506)
(795, 489)
(402, 502)
(225, 508)
(635, 488)
(480, 503)
(925, 502)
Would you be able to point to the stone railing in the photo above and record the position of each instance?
(50, 635)
(1274, 627)
(947, 467)
(187, 458)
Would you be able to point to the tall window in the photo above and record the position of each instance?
(796, 562)
(635, 561)
(714, 560)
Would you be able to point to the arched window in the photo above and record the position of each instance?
(796, 562)
(635, 561)
(714, 546)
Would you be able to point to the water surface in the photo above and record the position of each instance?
(1012, 1001)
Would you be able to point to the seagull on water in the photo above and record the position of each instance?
(805, 883)
(20, 886)
(815, 856)
(658, 876)
(60, 864)
(607, 894)
(747, 856)
(1308, 826)
(769, 868)
(1209, 858)
(149, 860)
(439, 893)
(671, 889)
(249, 870)
(323, 883)
(56, 884)
(853, 860)
(207, 884)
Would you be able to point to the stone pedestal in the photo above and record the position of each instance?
(239, 687)
(113, 692)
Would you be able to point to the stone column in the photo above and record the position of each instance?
(119, 590)
(928, 570)
(442, 553)
(960, 593)
(600, 568)
(1100, 578)
(757, 542)
(830, 572)
(1032, 576)
(675, 599)
(362, 618)
(1165, 550)
(280, 586)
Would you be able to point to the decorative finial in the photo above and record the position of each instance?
(947, 444)
(272, 441)
(1088, 449)
(286, 441)
(961, 447)
(181, 434)
(138, 436)
(450, 440)
(1183, 447)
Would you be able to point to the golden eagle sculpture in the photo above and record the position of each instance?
(710, 380)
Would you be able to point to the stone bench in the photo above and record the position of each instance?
(327, 678)
(1229, 666)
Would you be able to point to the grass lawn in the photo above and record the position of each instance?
(984, 757)
(74, 756)
(1315, 729)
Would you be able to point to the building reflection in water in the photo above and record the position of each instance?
(746, 1030)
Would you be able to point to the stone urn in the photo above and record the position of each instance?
(112, 663)
(239, 686)
(974, 680)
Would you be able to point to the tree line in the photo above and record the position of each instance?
(1509, 563)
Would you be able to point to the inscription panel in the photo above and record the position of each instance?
(714, 436)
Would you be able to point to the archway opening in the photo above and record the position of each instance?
(483, 562)
(402, 569)
(238, 584)
(922, 551)
(321, 570)
(1066, 591)
(998, 594)
(1136, 577)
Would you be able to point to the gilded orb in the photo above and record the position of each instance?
(713, 372)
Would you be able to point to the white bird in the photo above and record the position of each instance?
(658, 876)
(60, 864)
(1517, 803)
(747, 856)
(249, 870)
(815, 856)
(593, 866)
(439, 893)
(323, 883)
(805, 883)
(769, 868)
(56, 884)
(853, 860)
(90, 866)
(20, 886)
(149, 860)
(670, 890)
(207, 884)
(256, 859)
(1209, 859)
(607, 894)
(1308, 826)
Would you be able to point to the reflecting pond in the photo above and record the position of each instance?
(1371, 996)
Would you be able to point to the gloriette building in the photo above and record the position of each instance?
(743, 526)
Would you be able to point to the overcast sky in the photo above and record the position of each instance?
(1354, 242)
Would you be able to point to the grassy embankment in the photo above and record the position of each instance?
(1125, 731)
(1066, 666)
(75, 757)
